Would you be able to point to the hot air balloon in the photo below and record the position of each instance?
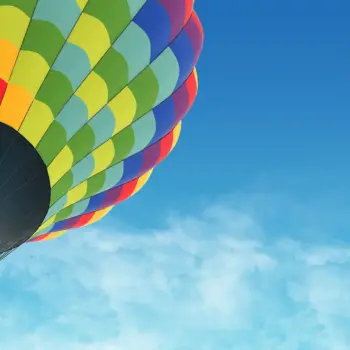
(92, 94)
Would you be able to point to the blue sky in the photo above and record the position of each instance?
(241, 238)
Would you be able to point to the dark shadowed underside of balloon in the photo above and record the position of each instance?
(24, 189)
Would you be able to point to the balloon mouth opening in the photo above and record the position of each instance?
(24, 189)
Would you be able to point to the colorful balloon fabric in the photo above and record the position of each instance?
(92, 94)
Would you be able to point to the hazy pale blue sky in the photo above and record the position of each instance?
(241, 238)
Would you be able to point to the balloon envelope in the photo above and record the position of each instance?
(92, 94)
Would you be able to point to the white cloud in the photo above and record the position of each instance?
(221, 280)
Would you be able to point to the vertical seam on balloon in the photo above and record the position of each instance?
(20, 48)
(46, 75)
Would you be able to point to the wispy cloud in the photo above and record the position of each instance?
(218, 280)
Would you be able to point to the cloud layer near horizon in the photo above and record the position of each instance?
(218, 280)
